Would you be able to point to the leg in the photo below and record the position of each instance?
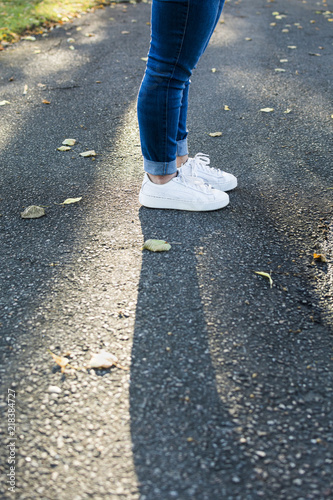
(181, 30)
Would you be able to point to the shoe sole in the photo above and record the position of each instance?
(154, 202)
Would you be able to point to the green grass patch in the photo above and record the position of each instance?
(18, 16)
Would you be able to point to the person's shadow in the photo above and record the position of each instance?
(180, 430)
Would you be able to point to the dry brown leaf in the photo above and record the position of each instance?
(33, 212)
(69, 142)
(320, 256)
(266, 275)
(62, 362)
(69, 201)
(86, 154)
(156, 245)
(45, 101)
(105, 359)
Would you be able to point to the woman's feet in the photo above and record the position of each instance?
(182, 193)
(199, 167)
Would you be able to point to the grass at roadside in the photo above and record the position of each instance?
(18, 16)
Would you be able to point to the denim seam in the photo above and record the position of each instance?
(174, 69)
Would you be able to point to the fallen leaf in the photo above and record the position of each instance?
(215, 134)
(267, 110)
(68, 201)
(45, 101)
(320, 256)
(62, 362)
(226, 108)
(156, 246)
(248, 39)
(292, 46)
(88, 153)
(29, 38)
(25, 90)
(144, 59)
(3, 103)
(213, 70)
(280, 70)
(283, 60)
(70, 40)
(125, 32)
(287, 111)
(105, 360)
(64, 148)
(285, 30)
(33, 212)
(69, 142)
(89, 35)
(266, 275)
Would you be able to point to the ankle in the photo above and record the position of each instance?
(161, 179)
(181, 160)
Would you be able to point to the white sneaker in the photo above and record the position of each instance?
(182, 193)
(199, 167)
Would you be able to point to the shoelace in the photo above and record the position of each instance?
(202, 161)
(187, 181)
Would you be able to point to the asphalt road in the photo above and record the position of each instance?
(229, 392)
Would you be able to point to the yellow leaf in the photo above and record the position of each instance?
(320, 256)
(287, 111)
(64, 148)
(3, 103)
(62, 362)
(266, 275)
(267, 110)
(88, 153)
(68, 201)
(280, 70)
(226, 108)
(248, 39)
(292, 46)
(69, 142)
(213, 70)
(33, 212)
(144, 59)
(156, 246)
(215, 134)
(45, 101)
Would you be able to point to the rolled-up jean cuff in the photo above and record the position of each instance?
(182, 148)
(159, 167)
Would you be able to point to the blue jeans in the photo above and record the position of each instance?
(180, 32)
